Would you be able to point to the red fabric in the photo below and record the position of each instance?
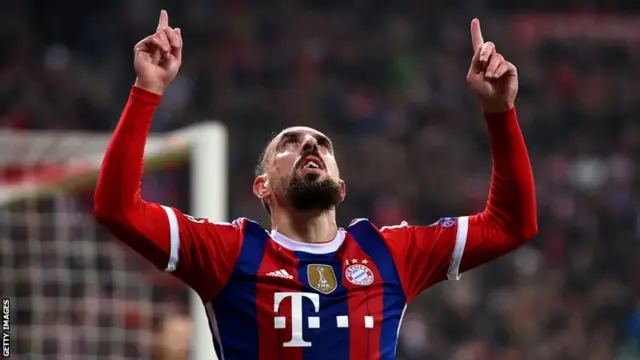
(363, 301)
(207, 251)
(423, 253)
(270, 342)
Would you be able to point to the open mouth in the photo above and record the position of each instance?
(311, 162)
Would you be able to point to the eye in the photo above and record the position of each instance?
(291, 141)
(325, 143)
(287, 141)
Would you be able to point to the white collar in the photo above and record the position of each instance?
(312, 248)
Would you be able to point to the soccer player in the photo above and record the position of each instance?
(308, 289)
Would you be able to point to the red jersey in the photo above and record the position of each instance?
(301, 301)
(271, 297)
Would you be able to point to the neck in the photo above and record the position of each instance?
(311, 227)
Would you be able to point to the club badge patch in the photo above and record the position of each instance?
(359, 274)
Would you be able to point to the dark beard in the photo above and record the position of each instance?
(308, 194)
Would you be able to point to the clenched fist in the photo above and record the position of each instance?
(491, 77)
(157, 57)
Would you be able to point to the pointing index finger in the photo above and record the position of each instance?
(476, 35)
(163, 22)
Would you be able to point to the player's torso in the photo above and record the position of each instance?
(283, 304)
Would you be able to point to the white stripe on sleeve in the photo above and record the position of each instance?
(174, 233)
(458, 250)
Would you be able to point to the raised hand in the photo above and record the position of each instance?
(157, 57)
(493, 79)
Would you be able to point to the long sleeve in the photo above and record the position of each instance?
(118, 188)
(198, 251)
(510, 218)
(426, 255)
(117, 200)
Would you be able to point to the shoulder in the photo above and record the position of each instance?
(360, 224)
(384, 229)
(237, 224)
(358, 221)
(363, 227)
(243, 226)
(387, 229)
(397, 238)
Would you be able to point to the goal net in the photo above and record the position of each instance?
(75, 292)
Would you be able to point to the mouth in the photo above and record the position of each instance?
(312, 163)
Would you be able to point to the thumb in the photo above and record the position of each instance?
(145, 51)
(139, 49)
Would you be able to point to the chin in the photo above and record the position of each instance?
(313, 192)
(312, 176)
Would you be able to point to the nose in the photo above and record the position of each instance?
(310, 144)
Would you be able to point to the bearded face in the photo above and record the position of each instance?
(299, 171)
(309, 192)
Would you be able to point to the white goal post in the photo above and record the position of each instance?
(43, 239)
(209, 198)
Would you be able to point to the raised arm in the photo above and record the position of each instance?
(200, 252)
(426, 255)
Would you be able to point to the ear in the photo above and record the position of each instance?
(343, 190)
(261, 187)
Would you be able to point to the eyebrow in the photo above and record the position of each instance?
(294, 134)
(288, 135)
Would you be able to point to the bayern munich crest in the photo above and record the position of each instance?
(359, 274)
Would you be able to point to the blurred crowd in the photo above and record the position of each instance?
(386, 79)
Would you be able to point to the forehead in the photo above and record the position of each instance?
(300, 130)
(295, 130)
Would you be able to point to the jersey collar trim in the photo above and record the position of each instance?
(323, 248)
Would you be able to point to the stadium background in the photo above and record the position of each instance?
(386, 80)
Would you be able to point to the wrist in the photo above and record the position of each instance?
(498, 119)
(144, 96)
(150, 87)
(497, 108)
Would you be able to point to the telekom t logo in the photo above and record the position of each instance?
(297, 338)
